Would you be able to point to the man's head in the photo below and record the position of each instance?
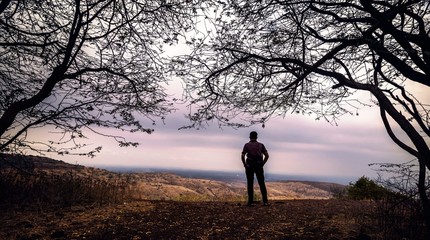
(253, 135)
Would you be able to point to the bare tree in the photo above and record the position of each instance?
(84, 64)
(272, 57)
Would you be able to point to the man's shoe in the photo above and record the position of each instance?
(266, 204)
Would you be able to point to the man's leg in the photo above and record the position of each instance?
(250, 184)
(260, 178)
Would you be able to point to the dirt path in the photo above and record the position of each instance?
(295, 219)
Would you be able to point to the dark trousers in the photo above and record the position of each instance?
(259, 173)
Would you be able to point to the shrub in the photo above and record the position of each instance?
(65, 189)
(365, 188)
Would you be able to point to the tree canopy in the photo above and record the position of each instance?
(89, 64)
(264, 58)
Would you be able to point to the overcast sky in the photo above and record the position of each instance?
(298, 145)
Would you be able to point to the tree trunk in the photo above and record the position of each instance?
(423, 194)
(421, 151)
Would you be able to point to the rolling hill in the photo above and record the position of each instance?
(169, 186)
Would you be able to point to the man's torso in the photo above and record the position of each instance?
(254, 151)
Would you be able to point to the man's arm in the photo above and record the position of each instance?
(243, 159)
(266, 157)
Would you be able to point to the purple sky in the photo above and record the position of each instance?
(298, 145)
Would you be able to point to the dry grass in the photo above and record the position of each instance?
(294, 219)
(62, 201)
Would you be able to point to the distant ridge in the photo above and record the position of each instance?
(326, 186)
(30, 162)
(228, 176)
(185, 185)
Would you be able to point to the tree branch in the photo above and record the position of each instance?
(3, 5)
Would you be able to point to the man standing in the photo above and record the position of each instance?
(254, 162)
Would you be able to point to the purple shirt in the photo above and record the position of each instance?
(254, 151)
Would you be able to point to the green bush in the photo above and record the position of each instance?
(365, 188)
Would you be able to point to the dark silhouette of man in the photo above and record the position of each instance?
(254, 156)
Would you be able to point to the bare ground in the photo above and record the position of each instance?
(286, 219)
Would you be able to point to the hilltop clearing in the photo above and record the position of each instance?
(42, 198)
(293, 219)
